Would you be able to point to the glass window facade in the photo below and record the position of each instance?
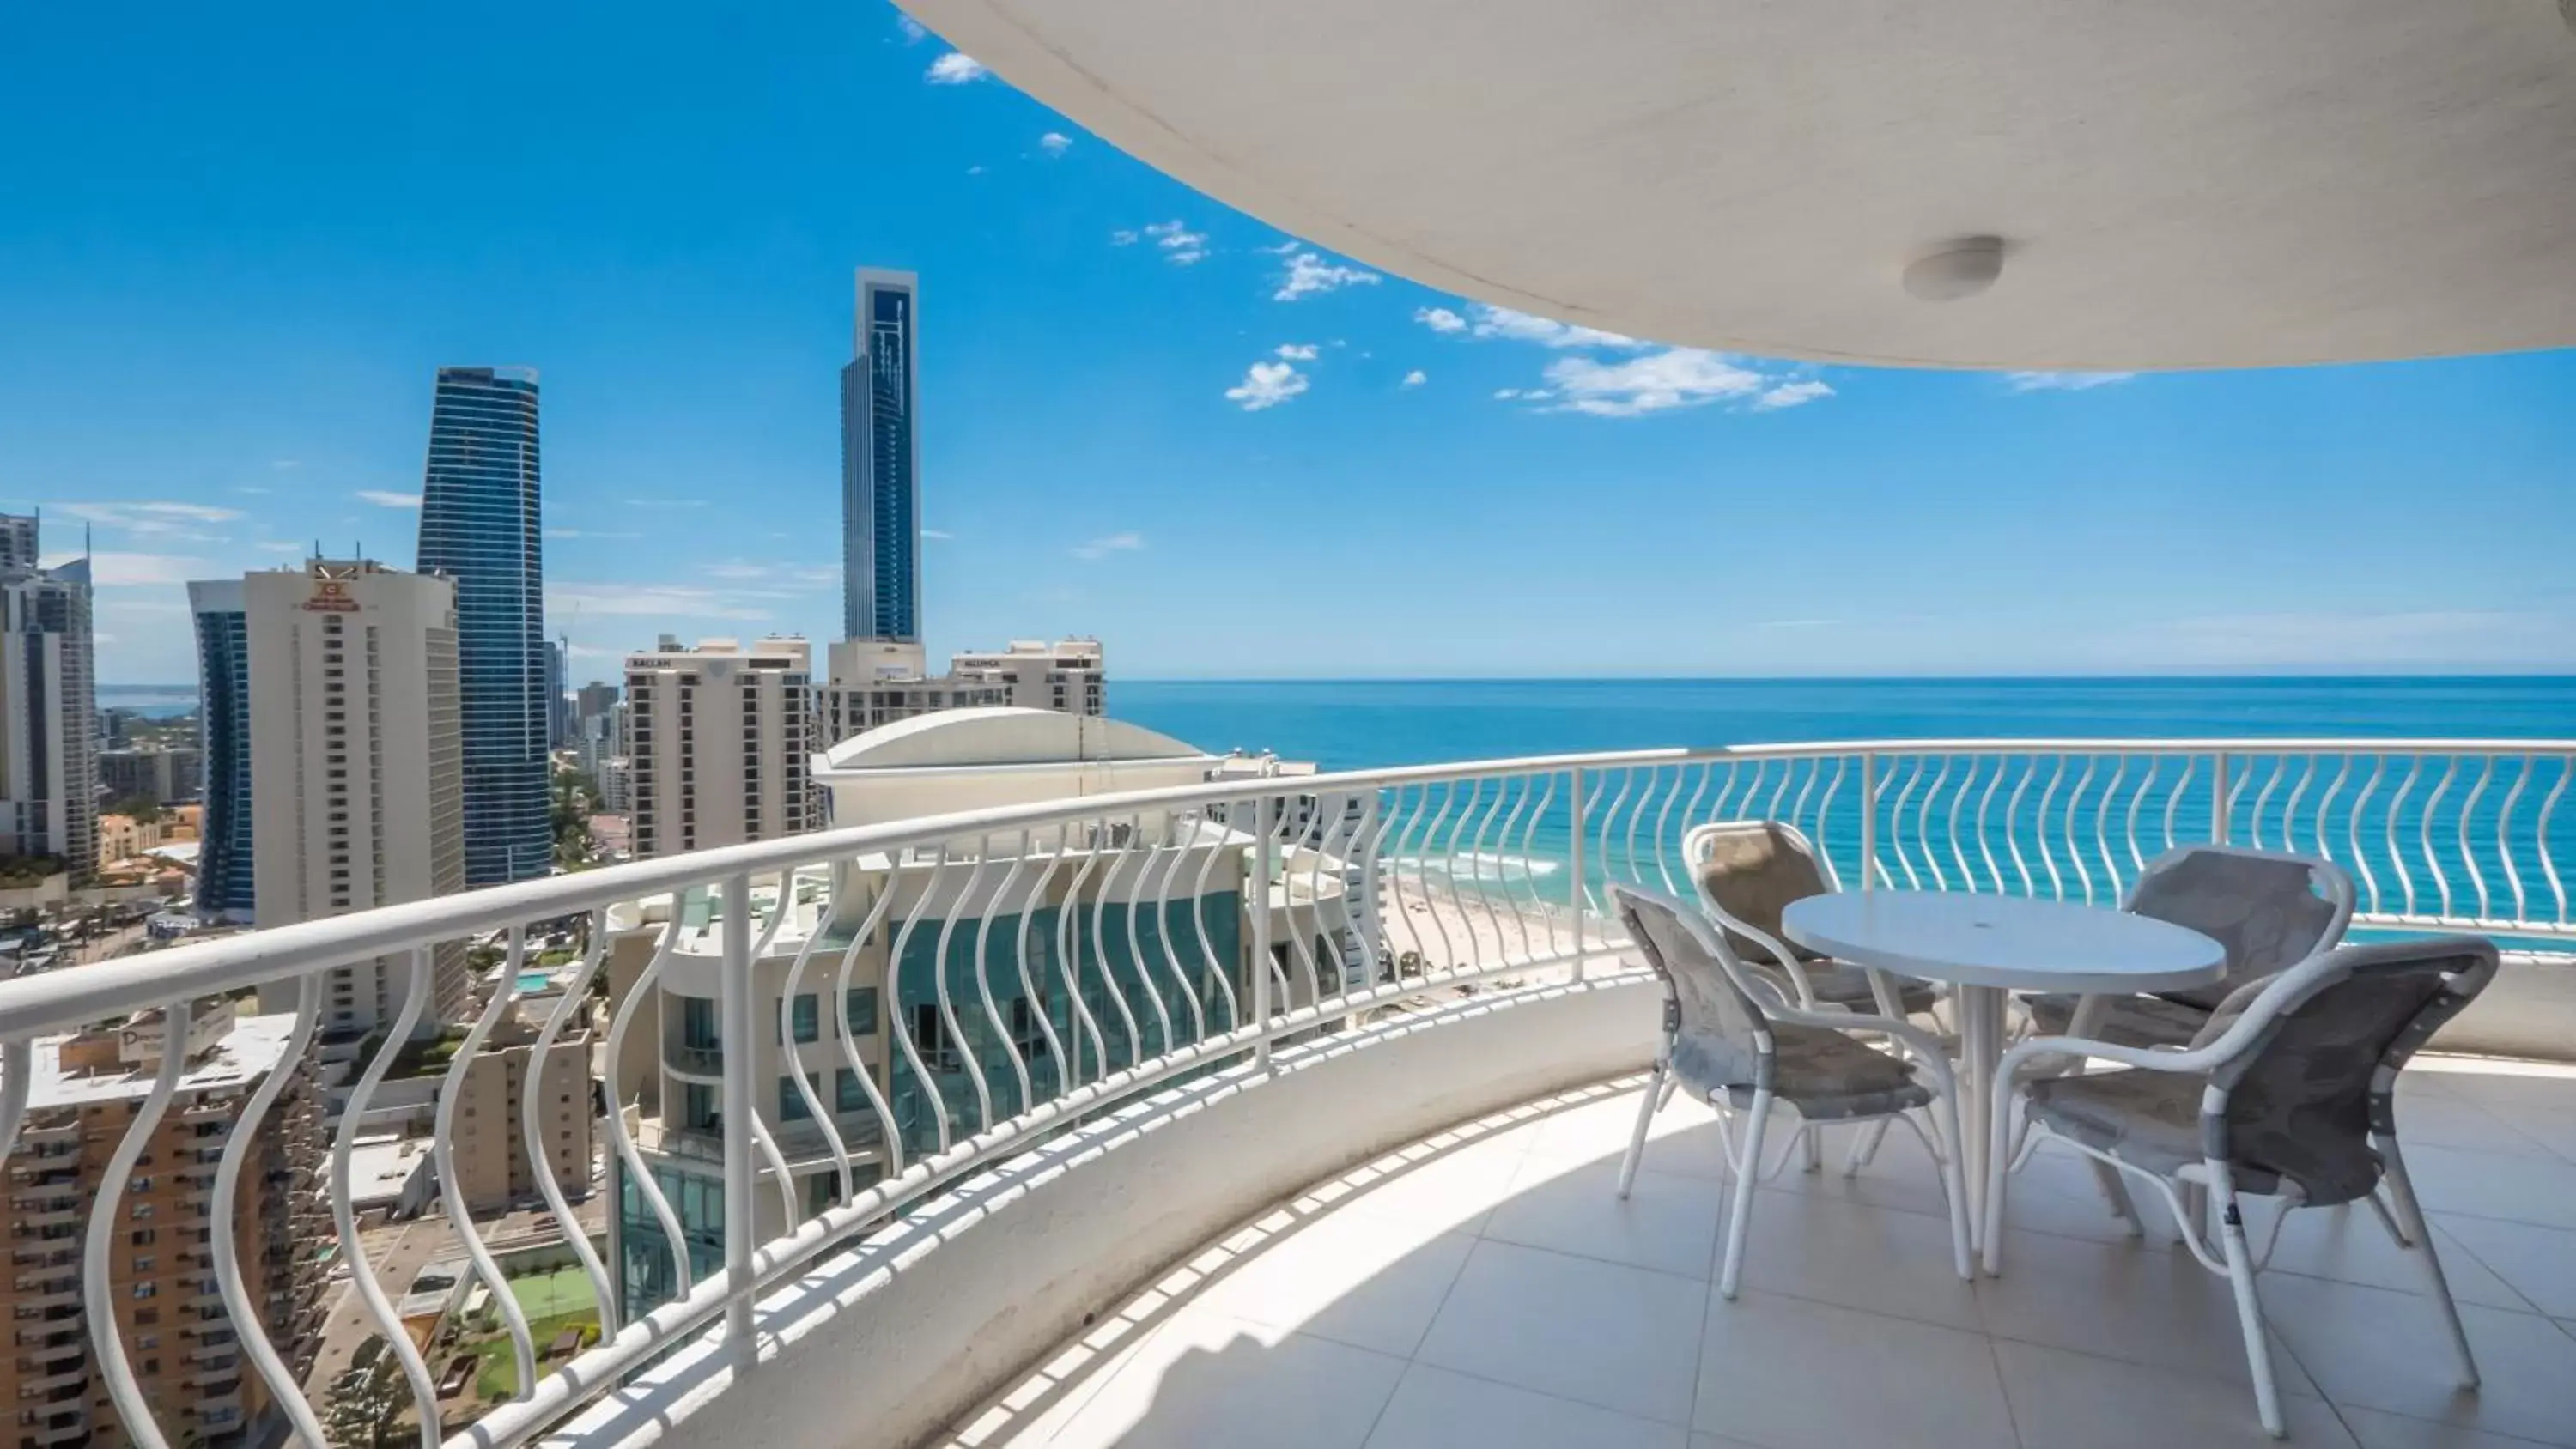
(880, 465)
(223, 682)
(479, 526)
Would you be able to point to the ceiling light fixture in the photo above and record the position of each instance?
(1960, 267)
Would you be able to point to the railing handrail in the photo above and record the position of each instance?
(57, 1000)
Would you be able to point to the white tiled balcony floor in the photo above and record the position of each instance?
(1486, 1289)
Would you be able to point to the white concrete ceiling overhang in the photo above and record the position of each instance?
(2178, 183)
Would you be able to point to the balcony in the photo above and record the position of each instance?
(1309, 1136)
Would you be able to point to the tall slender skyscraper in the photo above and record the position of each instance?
(225, 879)
(479, 527)
(48, 706)
(881, 464)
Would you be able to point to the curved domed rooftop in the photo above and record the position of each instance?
(1003, 735)
(2197, 184)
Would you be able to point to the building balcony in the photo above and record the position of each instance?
(1339, 1168)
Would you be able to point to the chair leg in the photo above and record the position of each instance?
(1998, 1166)
(1954, 1181)
(2249, 1309)
(2401, 1189)
(1864, 1146)
(2113, 1188)
(2388, 1220)
(2195, 1213)
(1748, 1171)
(1653, 1098)
(1814, 1148)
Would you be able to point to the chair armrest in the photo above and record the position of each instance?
(1787, 958)
(1917, 1042)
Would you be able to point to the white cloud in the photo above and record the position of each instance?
(1297, 351)
(277, 545)
(1514, 326)
(2062, 381)
(1181, 246)
(632, 599)
(383, 499)
(248, 488)
(1108, 544)
(113, 570)
(974, 170)
(585, 651)
(909, 28)
(176, 520)
(1790, 395)
(939, 533)
(591, 533)
(1122, 238)
(1677, 377)
(1055, 143)
(1309, 275)
(666, 503)
(285, 463)
(1523, 394)
(1439, 319)
(810, 575)
(1415, 378)
(1265, 385)
(1283, 248)
(956, 68)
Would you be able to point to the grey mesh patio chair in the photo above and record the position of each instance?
(1748, 872)
(1734, 1037)
(2289, 1091)
(2271, 909)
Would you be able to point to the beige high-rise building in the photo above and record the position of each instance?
(718, 740)
(1065, 676)
(180, 1339)
(494, 1169)
(357, 757)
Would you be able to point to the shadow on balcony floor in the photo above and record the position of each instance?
(1485, 1287)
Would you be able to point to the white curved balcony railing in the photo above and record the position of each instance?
(992, 978)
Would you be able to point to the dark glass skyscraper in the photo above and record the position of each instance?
(224, 875)
(881, 464)
(479, 526)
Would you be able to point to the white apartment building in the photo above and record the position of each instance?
(1065, 675)
(718, 739)
(356, 752)
(48, 706)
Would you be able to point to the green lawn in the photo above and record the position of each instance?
(496, 1373)
(555, 1293)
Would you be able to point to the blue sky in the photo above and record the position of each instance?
(235, 243)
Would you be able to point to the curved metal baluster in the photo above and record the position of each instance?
(1209, 852)
(1301, 950)
(1771, 811)
(2271, 782)
(2397, 856)
(1403, 850)
(2504, 836)
(2074, 839)
(949, 1021)
(1510, 906)
(2539, 832)
(983, 969)
(1031, 902)
(1825, 807)
(2468, 852)
(1896, 822)
(1637, 815)
(1609, 818)
(107, 1221)
(1690, 812)
(1798, 807)
(1537, 909)
(1178, 854)
(245, 1314)
(763, 1136)
(619, 1138)
(1958, 803)
(2173, 802)
(1985, 838)
(2138, 797)
(2325, 805)
(531, 1129)
(1663, 831)
(1329, 826)
(1457, 897)
(1923, 826)
(2352, 833)
(2101, 829)
(900, 1020)
(1484, 858)
(1875, 798)
(1070, 942)
(2290, 810)
(1136, 953)
(1430, 898)
(787, 1035)
(2223, 822)
(18, 1062)
(1718, 809)
(2048, 857)
(2432, 862)
(890, 1019)
(442, 1151)
(344, 1216)
(2012, 821)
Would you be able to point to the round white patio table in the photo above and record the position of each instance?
(1987, 946)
